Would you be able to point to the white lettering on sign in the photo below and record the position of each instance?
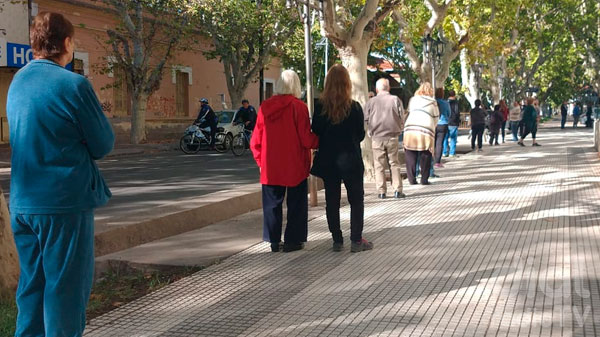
(21, 55)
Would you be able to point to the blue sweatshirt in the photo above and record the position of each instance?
(444, 107)
(57, 131)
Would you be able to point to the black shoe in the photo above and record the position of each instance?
(535, 144)
(425, 183)
(275, 247)
(338, 246)
(399, 195)
(291, 247)
(381, 196)
(413, 182)
(521, 143)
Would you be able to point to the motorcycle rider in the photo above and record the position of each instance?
(207, 118)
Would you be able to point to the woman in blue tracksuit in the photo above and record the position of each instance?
(57, 131)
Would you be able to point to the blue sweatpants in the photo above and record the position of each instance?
(56, 253)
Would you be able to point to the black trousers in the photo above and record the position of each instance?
(477, 134)
(527, 130)
(563, 121)
(494, 137)
(296, 230)
(410, 158)
(503, 130)
(575, 121)
(440, 134)
(355, 191)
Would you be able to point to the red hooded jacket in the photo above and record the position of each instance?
(282, 140)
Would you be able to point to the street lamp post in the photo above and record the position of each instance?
(307, 18)
(433, 50)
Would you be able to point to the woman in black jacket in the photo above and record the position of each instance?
(339, 123)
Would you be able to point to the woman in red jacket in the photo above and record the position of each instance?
(281, 145)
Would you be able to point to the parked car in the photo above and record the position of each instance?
(226, 121)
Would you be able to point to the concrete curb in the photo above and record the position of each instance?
(124, 237)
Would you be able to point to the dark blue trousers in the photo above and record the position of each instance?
(296, 230)
(56, 253)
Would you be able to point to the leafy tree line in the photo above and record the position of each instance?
(519, 43)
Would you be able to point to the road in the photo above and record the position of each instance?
(145, 181)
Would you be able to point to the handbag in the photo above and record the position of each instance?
(318, 165)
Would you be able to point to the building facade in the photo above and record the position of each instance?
(187, 78)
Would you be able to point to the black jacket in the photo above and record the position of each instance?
(247, 115)
(207, 114)
(477, 116)
(339, 144)
(454, 113)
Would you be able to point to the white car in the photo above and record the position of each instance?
(226, 119)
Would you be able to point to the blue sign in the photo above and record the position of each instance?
(18, 55)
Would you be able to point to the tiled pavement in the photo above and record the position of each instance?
(505, 244)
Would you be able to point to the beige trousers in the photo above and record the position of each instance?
(386, 152)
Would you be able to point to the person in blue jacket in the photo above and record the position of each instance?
(441, 129)
(57, 131)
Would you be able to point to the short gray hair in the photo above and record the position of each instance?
(288, 84)
(383, 84)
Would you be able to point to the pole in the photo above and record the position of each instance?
(433, 73)
(326, 56)
(261, 75)
(309, 90)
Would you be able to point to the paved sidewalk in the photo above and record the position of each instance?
(505, 244)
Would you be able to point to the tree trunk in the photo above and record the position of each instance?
(236, 97)
(9, 263)
(139, 103)
(354, 58)
(468, 79)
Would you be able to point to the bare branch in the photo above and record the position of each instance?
(330, 27)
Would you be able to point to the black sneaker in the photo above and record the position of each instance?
(338, 246)
(292, 247)
(535, 144)
(360, 246)
(381, 195)
(399, 195)
(275, 247)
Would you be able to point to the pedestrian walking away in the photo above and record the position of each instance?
(338, 121)
(441, 130)
(515, 119)
(530, 120)
(589, 122)
(563, 114)
(384, 115)
(576, 114)
(281, 146)
(57, 132)
(496, 121)
(419, 132)
(453, 124)
(505, 111)
(477, 125)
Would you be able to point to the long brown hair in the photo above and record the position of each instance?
(337, 95)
